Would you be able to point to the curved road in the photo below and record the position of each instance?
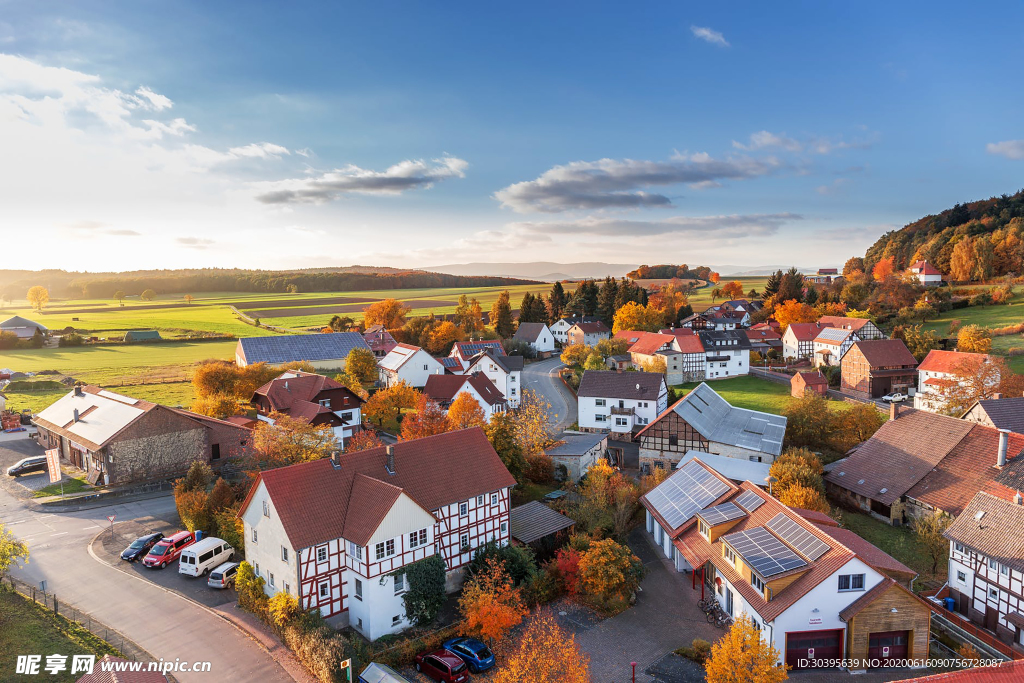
(542, 378)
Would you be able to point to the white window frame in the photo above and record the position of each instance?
(463, 541)
(600, 402)
(324, 589)
(266, 509)
(255, 536)
(400, 584)
(321, 549)
(480, 500)
(850, 580)
(961, 576)
(494, 499)
(464, 509)
(358, 590)
(270, 579)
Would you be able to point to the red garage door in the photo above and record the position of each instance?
(888, 645)
(807, 645)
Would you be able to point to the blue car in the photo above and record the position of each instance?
(477, 656)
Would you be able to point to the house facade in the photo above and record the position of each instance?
(505, 372)
(444, 389)
(464, 351)
(619, 402)
(379, 340)
(379, 510)
(312, 398)
(926, 274)
(804, 382)
(872, 369)
(940, 370)
(577, 452)
(830, 345)
(798, 339)
(537, 335)
(588, 333)
(409, 364)
(726, 353)
(322, 351)
(864, 328)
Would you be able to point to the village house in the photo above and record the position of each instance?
(409, 364)
(986, 565)
(577, 452)
(925, 273)
(998, 412)
(322, 351)
(824, 276)
(804, 382)
(560, 328)
(311, 398)
(443, 389)
(864, 328)
(812, 591)
(736, 470)
(505, 372)
(588, 333)
(464, 351)
(830, 345)
(919, 462)
(704, 422)
(23, 327)
(764, 340)
(119, 440)
(379, 340)
(376, 512)
(726, 353)
(620, 401)
(620, 362)
(941, 370)
(647, 349)
(872, 369)
(537, 335)
(798, 339)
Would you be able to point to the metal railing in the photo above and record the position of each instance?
(622, 411)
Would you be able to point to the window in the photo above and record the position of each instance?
(641, 420)
(756, 582)
(992, 564)
(504, 527)
(284, 554)
(620, 422)
(1004, 569)
(729, 554)
(359, 589)
(256, 567)
(355, 551)
(270, 579)
(287, 588)
(425, 367)
(600, 402)
(673, 439)
(993, 593)
(494, 499)
(321, 554)
(600, 418)
(479, 500)
(464, 541)
(254, 535)
(325, 402)
(266, 509)
(325, 589)
(851, 582)
(396, 620)
(399, 583)
(463, 509)
(961, 577)
(418, 538)
(513, 391)
(384, 549)
(703, 528)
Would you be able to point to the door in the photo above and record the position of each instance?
(803, 646)
(888, 645)
(991, 618)
(728, 601)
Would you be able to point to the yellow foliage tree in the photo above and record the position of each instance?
(545, 652)
(741, 656)
(733, 290)
(594, 362)
(362, 364)
(575, 355)
(633, 316)
(38, 296)
(530, 421)
(465, 412)
(610, 571)
(973, 339)
(215, 405)
(389, 312)
(283, 607)
(491, 603)
(800, 496)
(442, 336)
(289, 441)
(387, 403)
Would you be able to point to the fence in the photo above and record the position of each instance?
(127, 647)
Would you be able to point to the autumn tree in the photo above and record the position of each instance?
(501, 432)
(853, 265)
(884, 268)
(715, 277)
(612, 346)
(594, 362)
(633, 316)
(847, 428)
(388, 403)
(147, 295)
(610, 572)
(38, 296)
(929, 529)
(362, 364)
(388, 312)
(656, 365)
(215, 405)
(544, 651)
(465, 412)
(792, 311)
(972, 378)
(428, 420)
(12, 551)
(973, 339)
(742, 656)
(531, 422)
(919, 341)
(352, 383)
(289, 441)
(800, 496)
(119, 296)
(189, 299)
(341, 323)
(732, 290)
(442, 337)
(808, 420)
(501, 315)
(797, 467)
(491, 603)
(362, 440)
(575, 355)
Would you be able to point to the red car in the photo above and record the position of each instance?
(442, 665)
(167, 550)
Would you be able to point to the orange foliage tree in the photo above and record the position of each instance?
(733, 290)
(545, 652)
(793, 311)
(428, 420)
(465, 412)
(387, 403)
(610, 571)
(442, 337)
(362, 441)
(491, 603)
(884, 268)
(741, 656)
(390, 313)
(800, 496)
(714, 277)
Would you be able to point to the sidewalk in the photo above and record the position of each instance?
(265, 638)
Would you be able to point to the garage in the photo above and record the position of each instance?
(888, 645)
(806, 645)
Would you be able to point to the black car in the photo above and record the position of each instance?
(140, 547)
(37, 463)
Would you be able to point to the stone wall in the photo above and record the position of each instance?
(158, 445)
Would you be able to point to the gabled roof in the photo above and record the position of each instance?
(833, 336)
(764, 334)
(446, 387)
(1005, 413)
(596, 327)
(575, 444)
(17, 321)
(141, 335)
(279, 349)
(650, 342)
(506, 363)
(535, 520)
(709, 339)
(689, 343)
(811, 378)
(466, 350)
(450, 363)
(529, 332)
(102, 415)
(951, 361)
(735, 469)
(716, 420)
(282, 392)
(317, 503)
(632, 385)
(924, 268)
(991, 526)
(398, 356)
(805, 331)
(884, 353)
(854, 324)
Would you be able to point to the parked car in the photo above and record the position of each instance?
(223, 575)
(477, 656)
(204, 555)
(894, 397)
(140, 547)
(37, 463)
(168, 549)
(442, 665)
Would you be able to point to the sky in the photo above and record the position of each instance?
(138, 135)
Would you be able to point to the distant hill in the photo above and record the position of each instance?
(538, 270)
(757, 271)
(933, 237)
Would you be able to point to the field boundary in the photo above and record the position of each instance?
(273, 328)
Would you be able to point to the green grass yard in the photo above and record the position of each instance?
(755, 393)
(989, 316)
(73, 485)
(900, 542)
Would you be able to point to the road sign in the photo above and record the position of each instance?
(53, 465)
(111, 518)
(347, 666)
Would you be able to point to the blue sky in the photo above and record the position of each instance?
(175, 134)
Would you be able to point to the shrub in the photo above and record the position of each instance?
(193, 510)
(540, 469)
(282, 608)
(567, 565)
(250, 590)
(319, 647)
(543, 586)
(71, 340)
(517, 560)
(610, 572)
(701, 649)
(425, 596)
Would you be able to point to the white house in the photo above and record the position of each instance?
(588, 333)
(864, 328)
(537, 335)
(506, 372)
(409, 364)
(620, 401)
(578, 452)
(443, 389)
(940, 370)
(311, 398)
(798, 339)
(377, 511)
(926, 274)
(830, 345)
(560, 328)
(814, 591)
(464, 351)
(726, 353)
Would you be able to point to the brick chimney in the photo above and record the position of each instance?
(1004, 443)
(389, 463)
(336, 459)
(894, 410)
(78, 390)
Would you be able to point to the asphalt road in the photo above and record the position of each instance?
(165, 624)
(541, 377)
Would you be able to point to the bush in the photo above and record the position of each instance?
(518, 561)
(698, 651)
(71, 340)
(319, 647)
(282, 608)
(543, 586)
(540, 469)
(250, 590)
(518, 347)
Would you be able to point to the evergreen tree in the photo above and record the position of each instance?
(501, 316)
(526, 309)
(811, 297)
(556, 302)
(590, 292)
(772, 285)
(606, 301)
(791, 286)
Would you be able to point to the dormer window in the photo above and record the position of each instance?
(703, 529)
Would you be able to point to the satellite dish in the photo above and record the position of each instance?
(638, 386)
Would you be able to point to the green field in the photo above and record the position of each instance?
(900, 542)
(989, 316)
(701, 298)
(754, 393)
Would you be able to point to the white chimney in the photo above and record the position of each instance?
(286, 386)
(1004, 443)
(1018, 499)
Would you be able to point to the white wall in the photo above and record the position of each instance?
(507, 383)
(414, 371)
(644, 413)
(737, 363)
(266, 552)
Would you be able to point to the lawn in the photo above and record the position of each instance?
(755, 393)
(72, 485)
(27, 628)
(701, 298)
(900, 542)
(989, 316)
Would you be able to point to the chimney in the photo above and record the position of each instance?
(286, 386)
(336, 459)
(389, 463)
(996, 396)
(76, 414)
(1004, 443)
(1018, 499)
(894, 410)
(78, 390)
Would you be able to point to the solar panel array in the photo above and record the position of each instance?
(749, 501)
(766, 554)
(689, 490)
(720, 514)
(805, 543)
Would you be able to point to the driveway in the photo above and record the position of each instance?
(541, 377)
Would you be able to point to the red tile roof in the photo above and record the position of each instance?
(447, 387)
(1004, 672)
(871, 555)
(811, 378)
(924, 268)
(854, 324)
(885, 353)
(317, 503)
(590, 328)
(806, 331)
(951, 361)
(283, 392)
(650, 342)
(763, 334)
(819, 518)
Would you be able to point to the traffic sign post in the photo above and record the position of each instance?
(110, 518)
(347, 666)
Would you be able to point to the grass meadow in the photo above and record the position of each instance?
(989, 316)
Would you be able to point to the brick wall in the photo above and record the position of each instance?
(158, 445)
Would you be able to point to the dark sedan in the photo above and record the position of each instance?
(37, 463)
(477, 656)
(140, 547)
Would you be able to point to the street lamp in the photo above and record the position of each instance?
(770, 480)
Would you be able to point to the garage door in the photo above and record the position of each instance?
(807, 645)
(888, 645)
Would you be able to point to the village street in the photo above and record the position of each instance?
(542, 378)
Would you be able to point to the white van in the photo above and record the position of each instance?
(204, 555)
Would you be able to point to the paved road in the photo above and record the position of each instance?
(163, 623)
(542, 378)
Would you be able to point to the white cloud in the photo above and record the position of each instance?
(694, 227)
(194, 242)
(833, 187)
(261, 150)
(152, 100)
(709, 35)
(1011, 149)
(765, 140)
(618, 183)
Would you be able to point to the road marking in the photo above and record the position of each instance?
(92, 526)
(60, 534)
(18, 522)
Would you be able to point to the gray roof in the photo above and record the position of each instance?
(643, 386)
(535, 520)
(983, 527)
(529, 332)
(576, 444)
(1005, 413)
(296, 347)
(735, 469)
(18, 321)
(507, 363)
(836, 334)
(709, 338)
(717, 420)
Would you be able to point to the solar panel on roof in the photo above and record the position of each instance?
(767, 555)
(720, 514)
(690, 489)
(749, 501)
(802, 540)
